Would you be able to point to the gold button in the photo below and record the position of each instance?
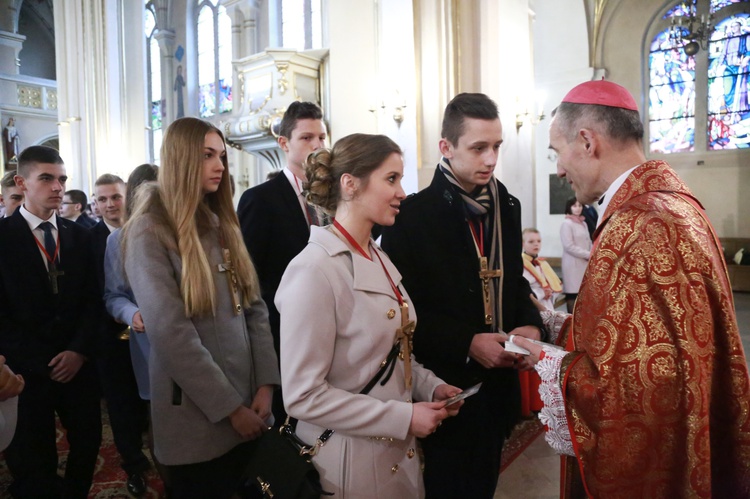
(391, 314)
(410, 453)
(394, 469)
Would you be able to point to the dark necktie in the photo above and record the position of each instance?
(535, 262)
(49, 240)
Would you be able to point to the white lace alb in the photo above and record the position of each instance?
(553, 414)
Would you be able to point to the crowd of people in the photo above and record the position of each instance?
(204, 327)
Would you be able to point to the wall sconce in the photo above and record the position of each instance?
(396, 105)
(523, 114)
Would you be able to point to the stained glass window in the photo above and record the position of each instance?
(728, 104)
(671, 97)
(153, 72)
(214, 59)
(720, 42)
(720, 4)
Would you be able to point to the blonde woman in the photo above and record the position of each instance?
(213, 366)
(343, 311)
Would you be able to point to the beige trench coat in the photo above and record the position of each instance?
(339, 317)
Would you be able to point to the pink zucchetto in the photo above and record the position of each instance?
(602, 93)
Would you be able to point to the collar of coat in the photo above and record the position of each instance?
(368, 275)
(651, 176)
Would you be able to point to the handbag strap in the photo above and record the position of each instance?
(386, 368)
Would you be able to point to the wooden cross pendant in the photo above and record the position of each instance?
(227, 267)
(485, 275)
(405, 335)
(53, 275)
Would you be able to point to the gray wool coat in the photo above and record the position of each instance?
(202, 368)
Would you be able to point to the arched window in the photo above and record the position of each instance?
(301, 25)
(728, 52)
(153, 75)
(214, 58)
(698, 97)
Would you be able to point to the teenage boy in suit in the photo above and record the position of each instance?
(127, 411)
(49, 307)
(73, 207)
(457, 244)
(275, 217)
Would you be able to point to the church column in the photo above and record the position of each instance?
(165, 38)
(436, 48)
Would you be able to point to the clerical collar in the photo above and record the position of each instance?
(610, 193)
(34, 220)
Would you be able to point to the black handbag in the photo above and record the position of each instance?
(281, 465)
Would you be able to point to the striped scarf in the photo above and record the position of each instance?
(478, 204)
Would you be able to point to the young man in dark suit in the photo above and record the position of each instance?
(457, 244)
(73, 207)
(127, 411)
(275, 217)
(49, 307)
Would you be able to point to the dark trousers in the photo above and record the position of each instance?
(128, 413)
(277, 408)
(32, 455)
(462, 459)
(458, 473)
(217, 479)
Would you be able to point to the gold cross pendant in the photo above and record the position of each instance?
(227, 267)
(405, 335)
(485, 275)
(53, 275)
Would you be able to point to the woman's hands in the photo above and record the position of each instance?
(250, 422)
(426, 417)
(444, 392)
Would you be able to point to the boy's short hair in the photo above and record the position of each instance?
(78, 197)
(298, 111)
(466, 105)
(529, 230)
(108, 179)
(37, 154)
(8, 180)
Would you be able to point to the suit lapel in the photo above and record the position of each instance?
(290, 202)
(28, 251)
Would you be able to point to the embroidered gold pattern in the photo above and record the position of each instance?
(657, 300)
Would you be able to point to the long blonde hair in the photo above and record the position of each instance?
(180, 201)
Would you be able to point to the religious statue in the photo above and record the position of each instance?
(11, 141)
(179, 84)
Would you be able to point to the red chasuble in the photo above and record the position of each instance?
(657, 392)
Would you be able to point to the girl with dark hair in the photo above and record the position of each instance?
(576, 244)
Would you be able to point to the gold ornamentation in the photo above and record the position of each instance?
(283, 83)
(391, 314)
(29, 96)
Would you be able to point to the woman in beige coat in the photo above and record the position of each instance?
(341, 315)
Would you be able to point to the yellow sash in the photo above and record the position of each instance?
(547, 277)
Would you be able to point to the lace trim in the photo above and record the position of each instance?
(553, 415)
(553, 322)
